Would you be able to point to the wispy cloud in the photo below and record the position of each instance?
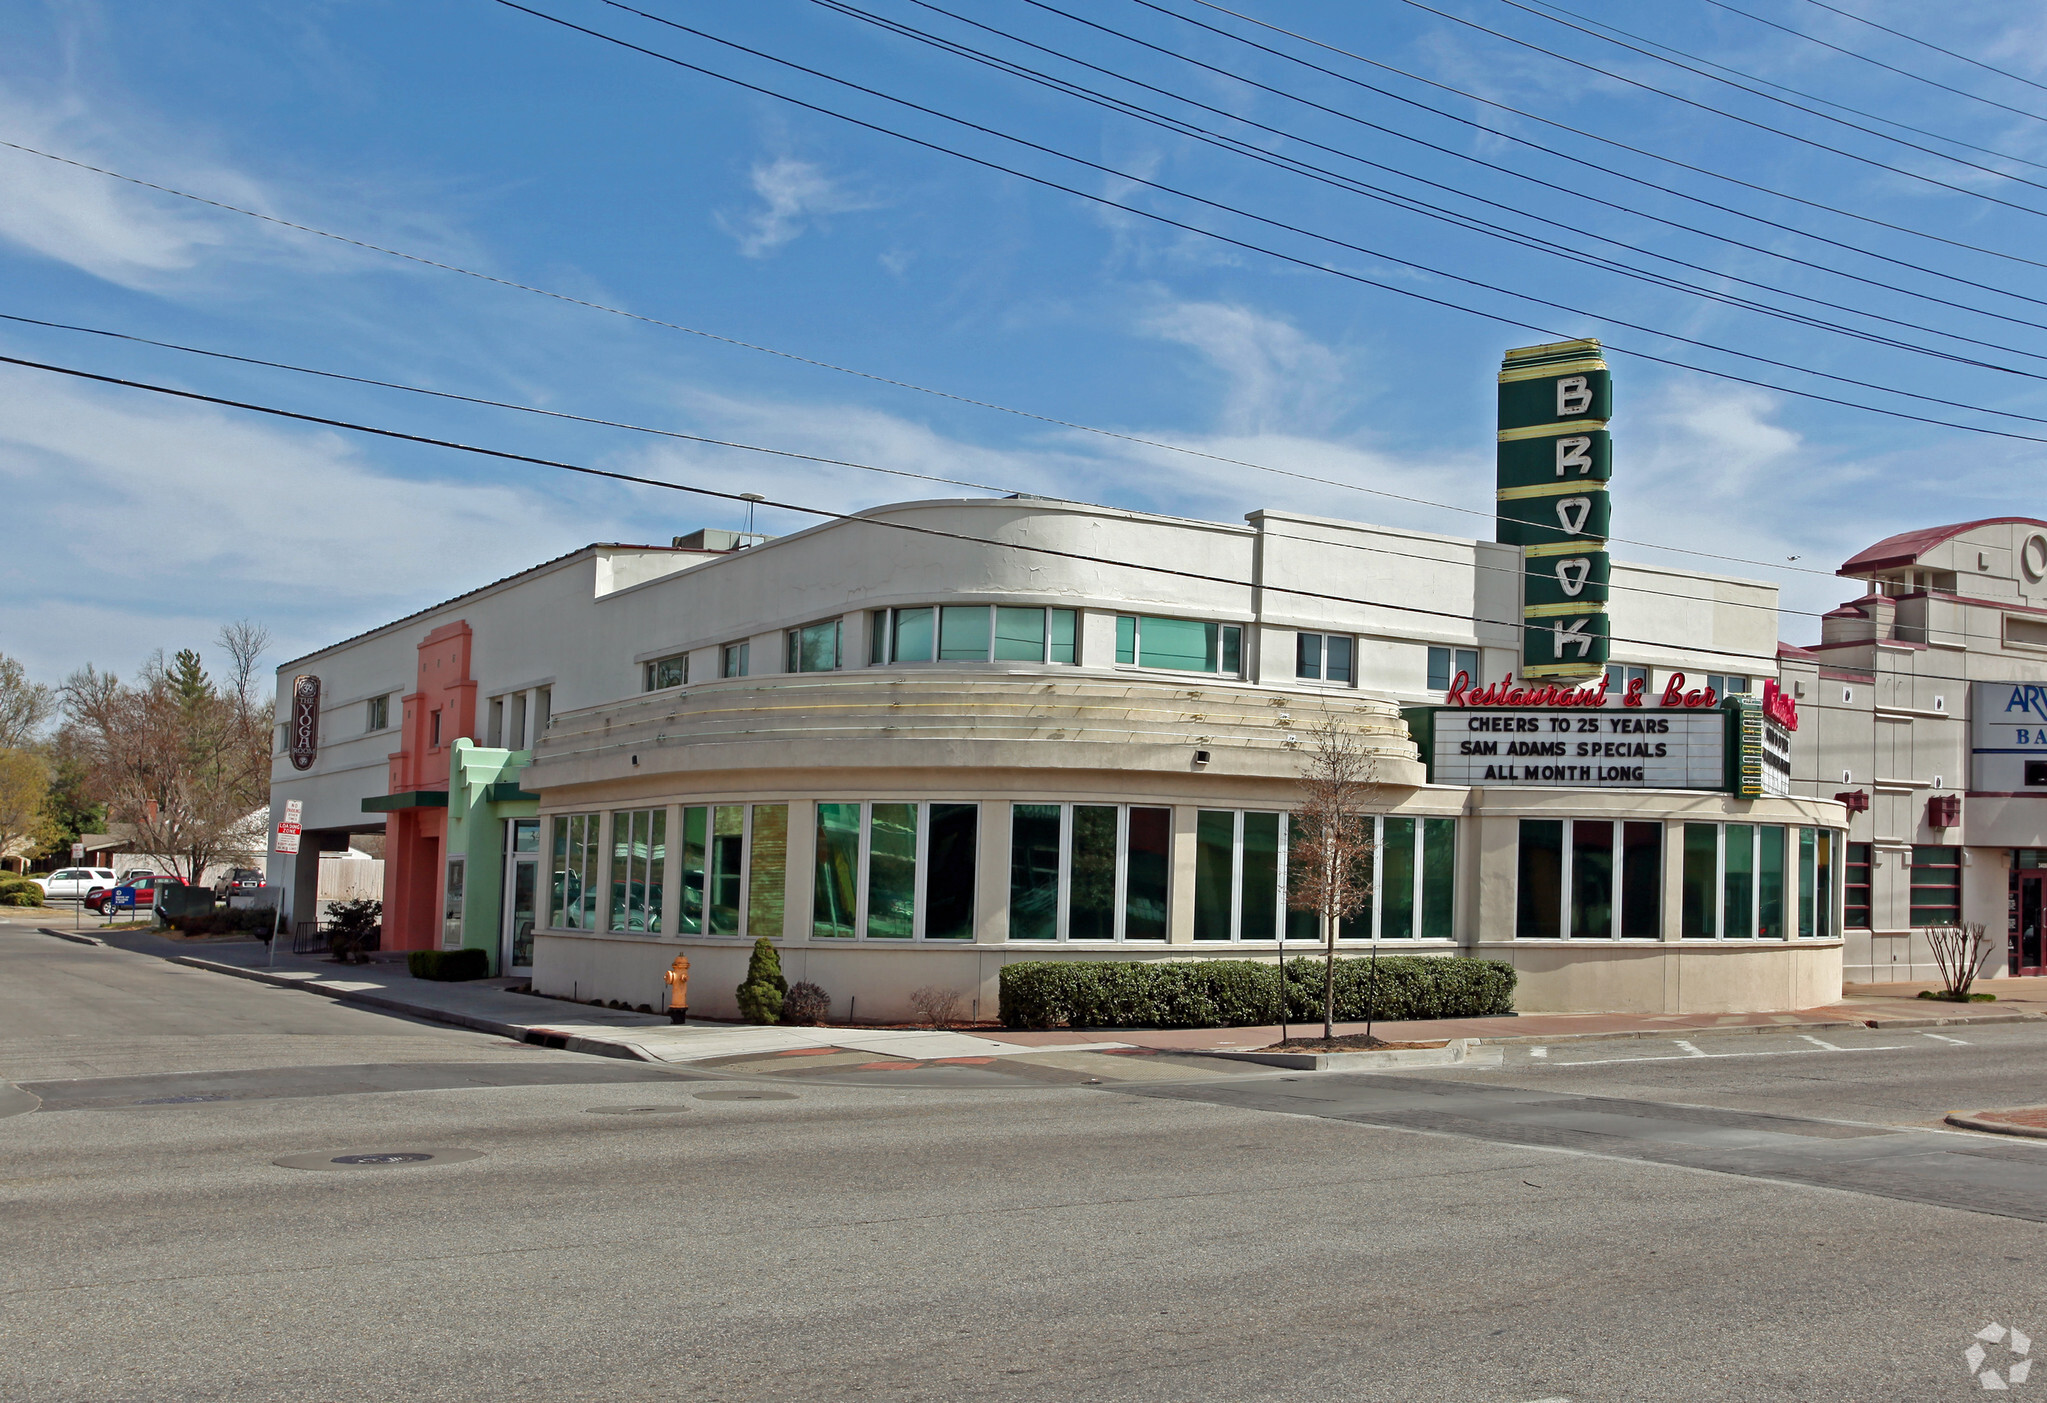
(1276, 378)
(794, 196)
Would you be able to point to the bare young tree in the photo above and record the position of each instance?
(24, 706)
(182, 761)
(1959, 952)
(1329, 861)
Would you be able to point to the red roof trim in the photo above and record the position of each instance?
(1906, 547)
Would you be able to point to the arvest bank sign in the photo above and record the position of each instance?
(1579, 738)
(2008, 738)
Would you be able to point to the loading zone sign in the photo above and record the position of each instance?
(290, 830)
(1588, 750)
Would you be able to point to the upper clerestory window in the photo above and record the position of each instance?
(975, 633)
(671, 671)
(1181, 645)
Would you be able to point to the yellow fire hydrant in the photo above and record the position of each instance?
(677, 980)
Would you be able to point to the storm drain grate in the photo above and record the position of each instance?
(375, 1159)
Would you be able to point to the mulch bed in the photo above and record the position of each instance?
(2035, 1116)
(1350, 1042)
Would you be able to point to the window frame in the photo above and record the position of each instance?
(731, 653)
(653, 893)
(795, 645)
(1617, 878)
(1120, 897)
(1417, 904)
(882, 635)
(1792, 903)
(1914, 886)
(1867, 886)
(655, 670)
(1454, 661)
(921, 886)
(377, 712)
(1223, 641)
(1322, 660)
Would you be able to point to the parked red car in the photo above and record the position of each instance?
(146, 889)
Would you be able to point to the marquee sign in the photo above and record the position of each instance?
(305, 721)
(2008, 738)
(1593, 750)
(1554, 459)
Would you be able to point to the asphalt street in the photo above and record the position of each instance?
(1733, 1217)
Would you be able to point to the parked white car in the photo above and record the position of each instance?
(74, 883)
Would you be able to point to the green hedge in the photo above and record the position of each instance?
(1234, 993)
(449, 965)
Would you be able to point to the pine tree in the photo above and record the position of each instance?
(760, 997)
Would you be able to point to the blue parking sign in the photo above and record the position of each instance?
(124, 896)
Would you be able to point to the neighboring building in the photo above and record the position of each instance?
(1931, 715)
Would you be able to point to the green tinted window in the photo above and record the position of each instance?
(1181, 644)
(892, 871)
(914, 634)
(835, 895)
(1065, 636)
(1214, 868)
(1091, 894)
(1396, 880)
(1701, 901)
(1126, 639)
(1020, 635)
(1258, 901)
(1439, 877)
(963, 633)
(1034, 872)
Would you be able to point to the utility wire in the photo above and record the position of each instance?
(1412, 204)
(1575, 194)
(1575, 131)
(1924, 44)
(1135, 179)
(1754, 92)
(505, 455)
(1525, 569)
(1533, 47)
(1136, 439)
(1879, 63)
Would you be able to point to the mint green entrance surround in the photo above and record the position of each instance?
(483, 792)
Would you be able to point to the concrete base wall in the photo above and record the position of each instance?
(1705, 976)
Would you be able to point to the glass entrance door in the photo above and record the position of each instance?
(2026, 956)
(522, 894)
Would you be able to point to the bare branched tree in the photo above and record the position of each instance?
(182, 761)
(24, 706)
(1960, 952)
(1329, 861)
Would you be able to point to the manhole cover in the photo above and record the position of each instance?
(180, 1100)
(746, 1096)
(634, 1110)
(375, 1159)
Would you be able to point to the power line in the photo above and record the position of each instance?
(825, 512)
(1746, 121)
(998, 489)
(1576, 131)
(1136, 179)
(1414, 205)
(1767, 97)
(1574, 194)
(1879, 63)
(1924, 44)
(1136, 439)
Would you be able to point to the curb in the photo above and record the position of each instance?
(1995, 1127)
(517, 1032)
(75, 937)
(1834, 1024)
(1456, 1053)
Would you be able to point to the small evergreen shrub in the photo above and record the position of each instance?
(19, 891)
(449, 965)
(806, 1005)
(1236, 993)
(761, 996)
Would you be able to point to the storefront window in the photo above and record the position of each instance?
(1701, 902)
(695, 834)
(1244, 861)
(725, 881)
(835, 904)
(1823, 885)
(954, 854)
(1439, 877)
(1258, 894)
(1395, 887)
(1215, 840)
(767, 871)
(892, 872)
(576, 866)
(1770, 882)
(1590, 879)
(639, 866)
(1738, 864)
(1090, 872)
(1855, 887)
(1936, 885)
(1539, 885)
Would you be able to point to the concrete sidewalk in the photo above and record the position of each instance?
(488, 1006)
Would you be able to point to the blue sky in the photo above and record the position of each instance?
(467, 132)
